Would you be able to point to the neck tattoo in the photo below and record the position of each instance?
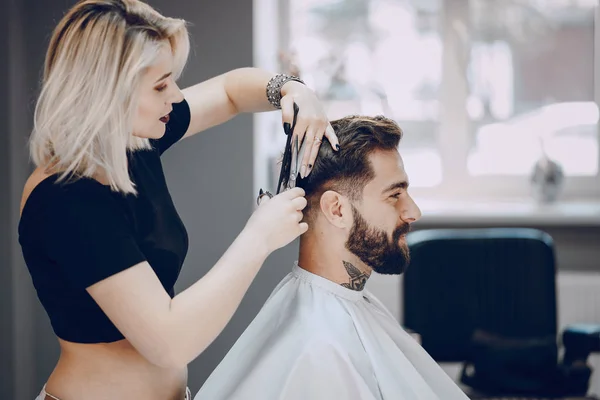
(357, 278)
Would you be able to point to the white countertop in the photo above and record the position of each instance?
(526, 212)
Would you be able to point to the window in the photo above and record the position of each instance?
(481, 88)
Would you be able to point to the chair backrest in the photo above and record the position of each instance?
(502, 280)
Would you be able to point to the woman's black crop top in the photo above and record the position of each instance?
(76, 234)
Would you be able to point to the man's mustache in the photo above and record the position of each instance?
(402, 230)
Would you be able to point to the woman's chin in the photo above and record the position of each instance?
(155, 134)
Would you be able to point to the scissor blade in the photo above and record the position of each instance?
(294, 164)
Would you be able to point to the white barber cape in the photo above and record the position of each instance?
(315, 339)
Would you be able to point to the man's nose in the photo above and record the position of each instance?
(412, 212)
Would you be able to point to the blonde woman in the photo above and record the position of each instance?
(100, 235)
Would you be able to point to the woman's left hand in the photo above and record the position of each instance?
(311, 123)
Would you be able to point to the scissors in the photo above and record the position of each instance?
(292, 156)
(291, 163)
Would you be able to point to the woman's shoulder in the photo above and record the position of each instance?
(48, 190)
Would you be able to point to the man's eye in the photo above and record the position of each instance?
(396, 195)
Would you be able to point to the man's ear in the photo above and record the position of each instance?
(336, 208)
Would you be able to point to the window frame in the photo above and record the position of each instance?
(271, 19)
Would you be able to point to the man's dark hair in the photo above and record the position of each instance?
(348, 171)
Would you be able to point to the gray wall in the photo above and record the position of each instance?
(18, 309)
(210, 178)
(6, 291)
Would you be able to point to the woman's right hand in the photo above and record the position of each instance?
(277, 220)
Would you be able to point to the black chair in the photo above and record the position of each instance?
(487, 298)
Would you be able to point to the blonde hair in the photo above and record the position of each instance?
(97, 55)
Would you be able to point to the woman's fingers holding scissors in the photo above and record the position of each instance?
(299, 203)
(277, 220)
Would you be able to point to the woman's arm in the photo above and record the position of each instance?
(221, 98)
(172, 332)
(244, 90)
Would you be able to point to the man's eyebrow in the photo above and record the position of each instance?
(396, 185)
(163, 77)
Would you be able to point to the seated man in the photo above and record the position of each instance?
(320, 335)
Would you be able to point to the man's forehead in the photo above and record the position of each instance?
(388, 168)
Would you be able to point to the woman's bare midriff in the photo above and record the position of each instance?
(107, 370)
(112, 371)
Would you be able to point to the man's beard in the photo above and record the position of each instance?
(373, 246)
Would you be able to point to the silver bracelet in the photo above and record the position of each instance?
(274, 87)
